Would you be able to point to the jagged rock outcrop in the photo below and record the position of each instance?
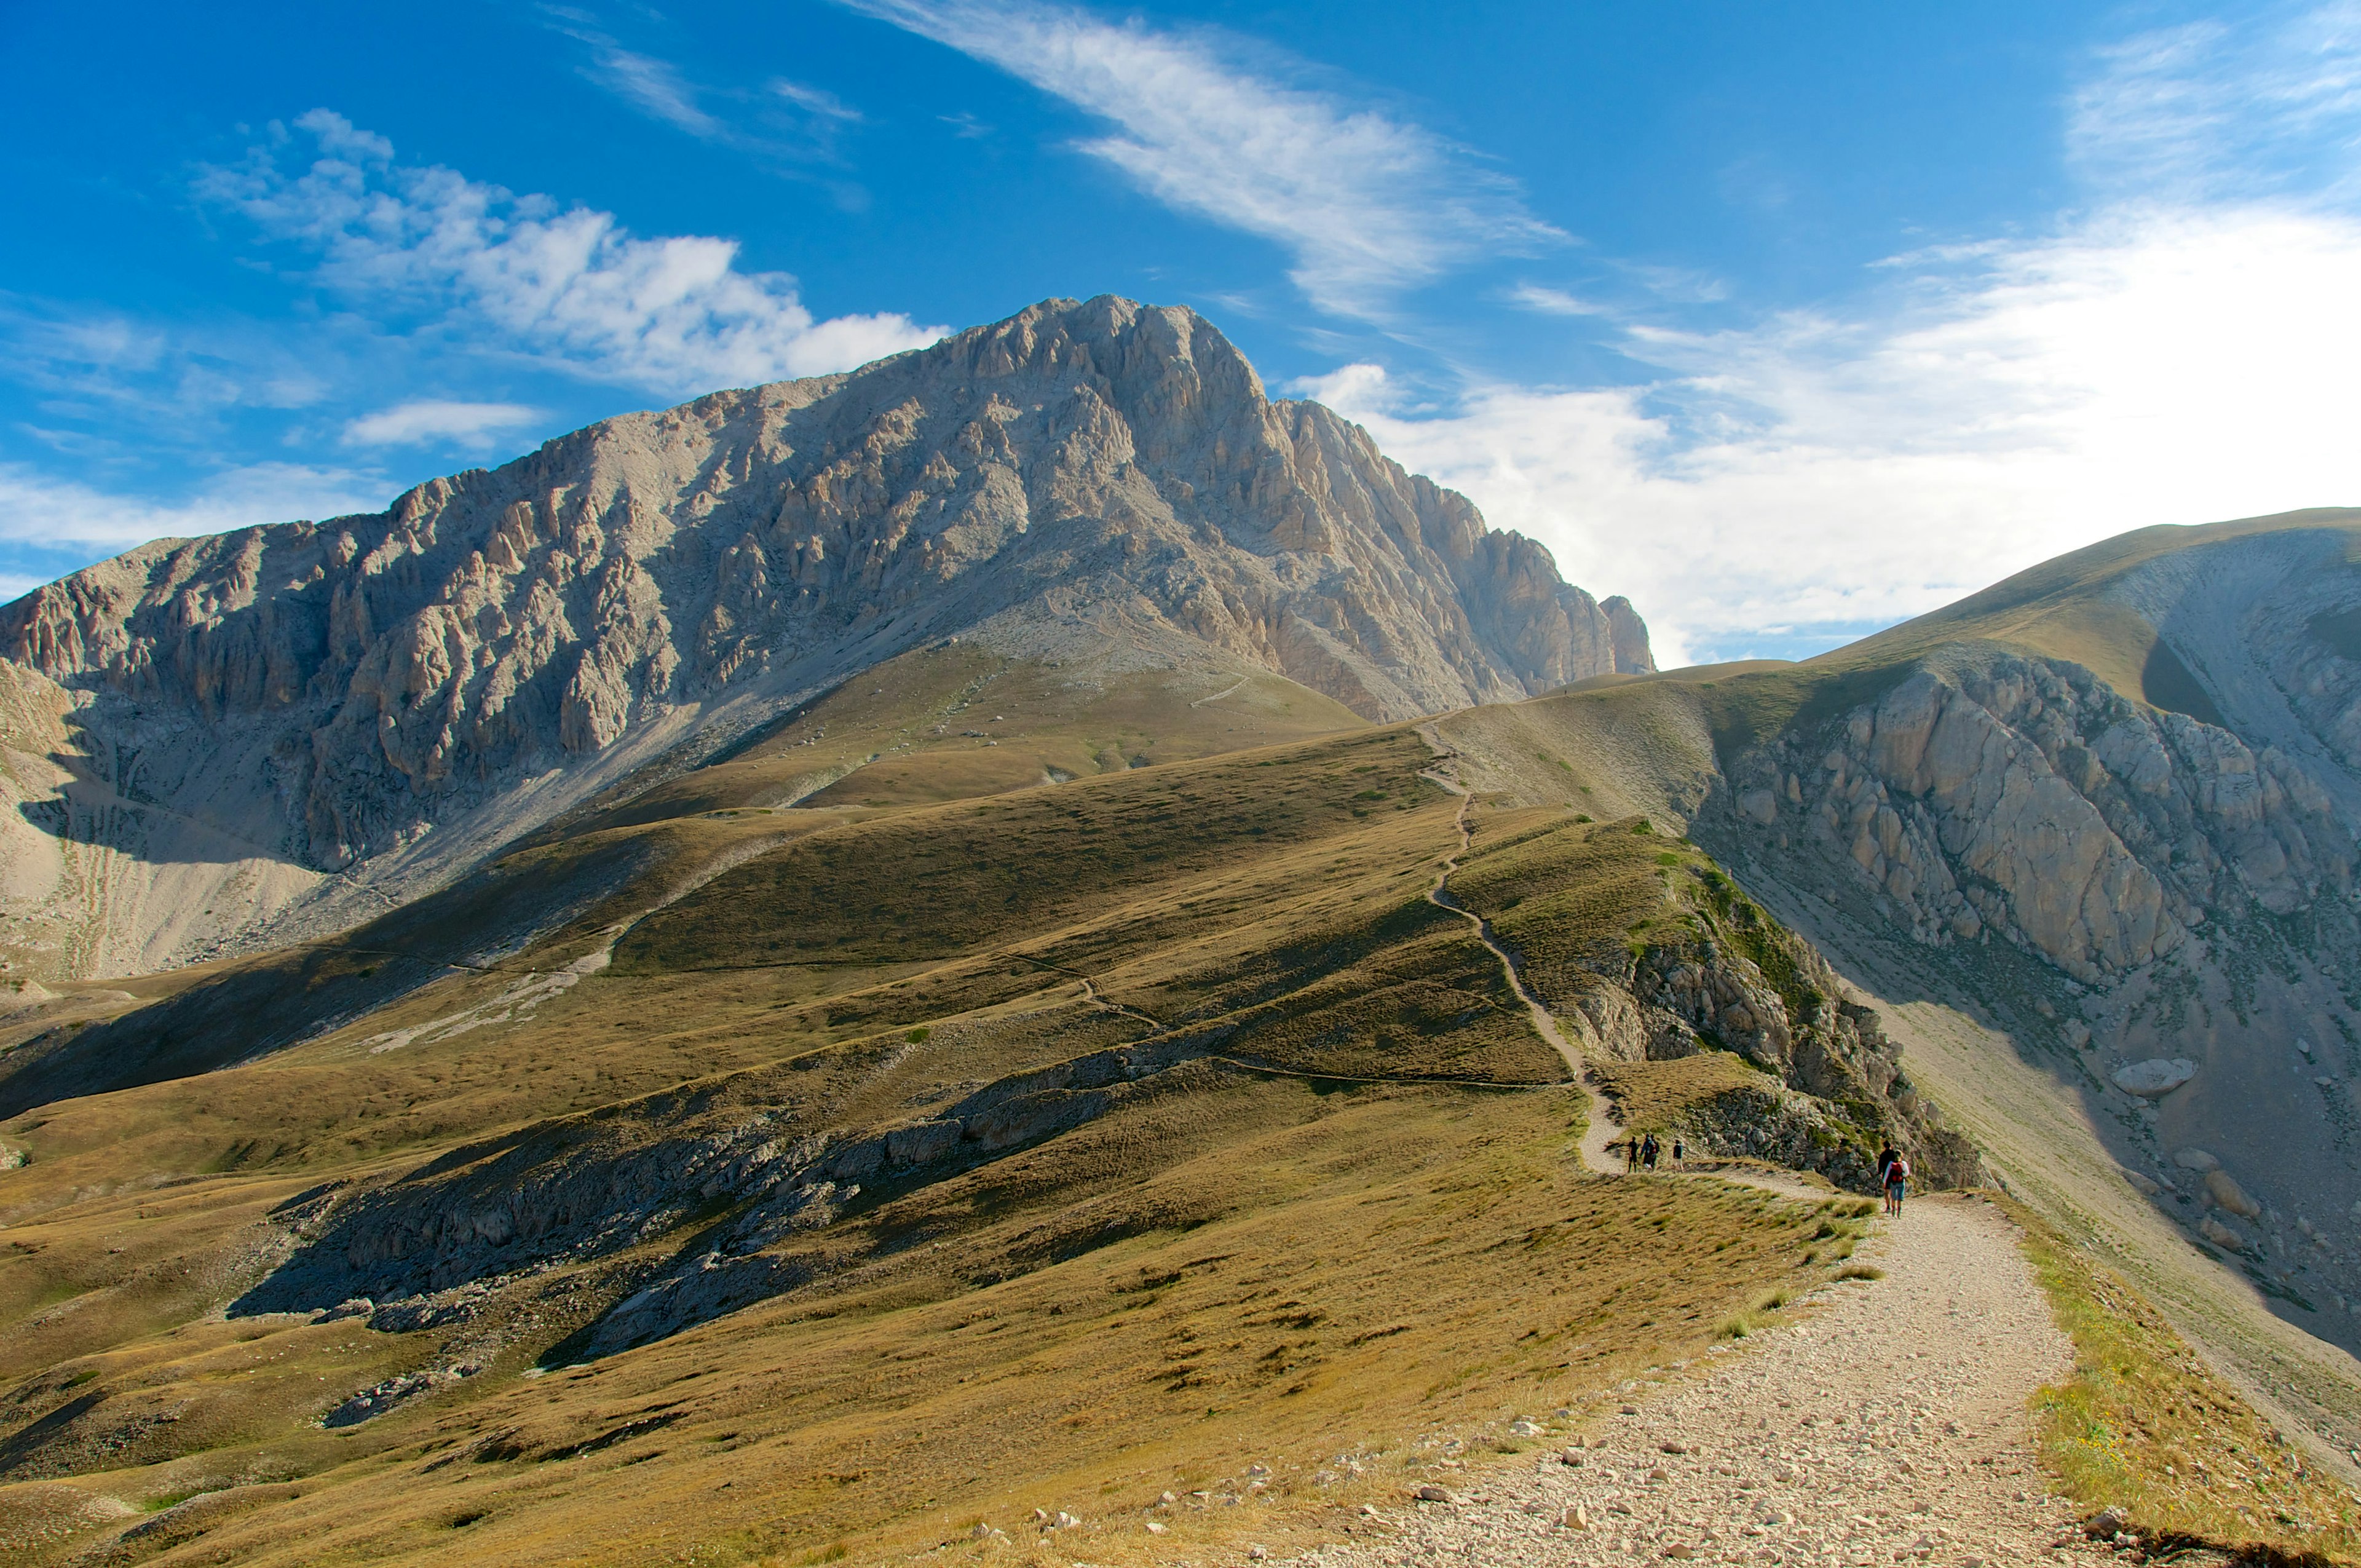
(2156, 896)
(2027, 795)
(1834, 1084)
(346, 695)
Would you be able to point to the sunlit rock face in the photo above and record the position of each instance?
(2156, 898)
(311, 699)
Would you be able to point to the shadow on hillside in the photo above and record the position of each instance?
(250, 1008)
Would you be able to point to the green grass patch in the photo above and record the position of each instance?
(2143, 1425)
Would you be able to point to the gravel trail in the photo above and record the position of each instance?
(1888, 1425)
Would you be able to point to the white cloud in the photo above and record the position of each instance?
(570, 286)
(2211, 110)
(1553, 301)
(814, 101)
(97, 363)
(786, 125)
(2162, 367)
(58, 514)
(1366, 204)
(654, 86)
(2172, 355)
(429, 419)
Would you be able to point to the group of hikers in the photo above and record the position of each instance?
(1642, 1151)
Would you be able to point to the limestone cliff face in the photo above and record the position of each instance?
(2160, 904)
(496, 644)
(1836, 1087)
(2027, 796)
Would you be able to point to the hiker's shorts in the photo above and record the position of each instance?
(1894, 1190)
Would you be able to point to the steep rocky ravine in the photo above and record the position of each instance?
(1723, 980)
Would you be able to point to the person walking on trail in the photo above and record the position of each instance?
(1648, 1152)
(1680, 1152)
(1894, 1175)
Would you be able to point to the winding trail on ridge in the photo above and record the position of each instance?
(1885, 1421)
(1601, 1130)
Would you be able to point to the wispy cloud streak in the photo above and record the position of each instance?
(1366, 204)
(2214, 111)
(52, 514)
(434, 418)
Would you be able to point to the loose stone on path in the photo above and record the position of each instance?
(1889, 1427)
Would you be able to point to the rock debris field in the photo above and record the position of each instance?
(1889, 1425)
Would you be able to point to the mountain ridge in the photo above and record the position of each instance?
(862, 1034)
(344, 713)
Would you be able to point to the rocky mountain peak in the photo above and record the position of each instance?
(327, 694)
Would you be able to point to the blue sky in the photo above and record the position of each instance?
(1786, 320)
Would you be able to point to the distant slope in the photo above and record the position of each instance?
(278, 731)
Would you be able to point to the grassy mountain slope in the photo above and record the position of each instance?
(1135, 1128)
(875, 1134)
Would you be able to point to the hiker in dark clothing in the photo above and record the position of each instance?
(1893, 1177)
(1680, 1151)
(1648, 1152)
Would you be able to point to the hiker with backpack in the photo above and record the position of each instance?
(1894, 1176)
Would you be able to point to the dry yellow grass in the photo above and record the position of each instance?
(1654, 1096)
(1317, 1280)
(1340, 1214)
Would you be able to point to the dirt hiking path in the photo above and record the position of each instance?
(1890, 1425)
(1440, 896)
